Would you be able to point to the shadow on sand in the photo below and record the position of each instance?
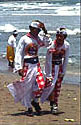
(42, 113)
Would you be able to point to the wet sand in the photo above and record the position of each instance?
(14, 114)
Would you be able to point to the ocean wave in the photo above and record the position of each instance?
(68, 10)
(55, 8)
(72, 61)
(73, 32)
(7, 28)
(77, 4)
(69, 32)
(54, 11)
(10, 28)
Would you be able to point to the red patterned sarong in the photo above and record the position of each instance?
(24, 88)
(39, 79)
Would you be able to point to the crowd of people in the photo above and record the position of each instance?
(34, 86)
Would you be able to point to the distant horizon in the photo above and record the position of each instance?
(42, 0)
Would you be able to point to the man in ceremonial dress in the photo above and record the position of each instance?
(31, 85)
(55, 68)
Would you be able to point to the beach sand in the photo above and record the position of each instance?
(13, 114)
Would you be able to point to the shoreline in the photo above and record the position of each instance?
(68, 78)
(71, 76)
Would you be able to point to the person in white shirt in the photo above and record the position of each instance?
(55, 68)
(31, 85)
(11, 48)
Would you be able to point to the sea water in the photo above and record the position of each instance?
(54, 13)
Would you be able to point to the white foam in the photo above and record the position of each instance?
(77, 4)
(55, 9)
(73, 32)
(33, 14)
(68, 10)
(69, 31)
(57, 12)
(70, 61)
(10, 28)
(7, 28)
(7, 5)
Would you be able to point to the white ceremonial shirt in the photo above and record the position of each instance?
(22, 45)
(12, 41)
(48, 65)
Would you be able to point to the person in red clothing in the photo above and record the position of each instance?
(55, 68)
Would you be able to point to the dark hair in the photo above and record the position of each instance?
(15, 32)
(65, 35)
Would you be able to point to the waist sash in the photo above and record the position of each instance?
(57, 62)
(33, 60)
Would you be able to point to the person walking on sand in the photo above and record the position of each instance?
(30, 87)
(55, 68)
(10, 49)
